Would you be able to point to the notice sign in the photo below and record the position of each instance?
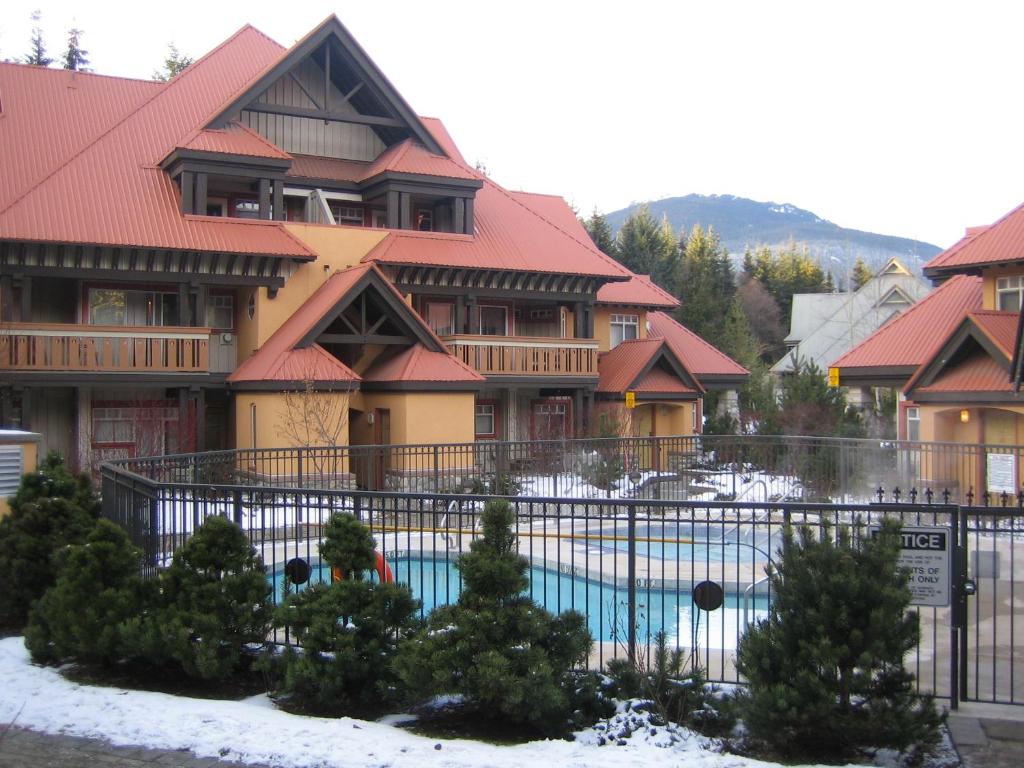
(925, 552)
(1001, 471)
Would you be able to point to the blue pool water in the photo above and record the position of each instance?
(688, 542)
(437, 582)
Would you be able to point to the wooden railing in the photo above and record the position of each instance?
(103, 348)
(525, 355)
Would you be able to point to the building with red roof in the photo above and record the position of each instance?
(179, 261)
(954, 355)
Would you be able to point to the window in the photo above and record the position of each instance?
(913, 424)
(380, 219)
(216, 207)
(246, 209)
(220, 311)
(440, 317)
(624, 327)
(346, 214)
(485, 424)
(113, 425)
(550, 420)
(116, 306)
(493, 321)
(1008, 293)
(424, 219)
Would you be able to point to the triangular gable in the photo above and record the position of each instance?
(420, 368)
(327, 76)
(894, 297)
(963, 343)
(293, 367)
(628, 365)
(894, 267)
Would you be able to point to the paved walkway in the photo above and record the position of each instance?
(988, 735)
(20, 748)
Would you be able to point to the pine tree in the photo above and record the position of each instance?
(860, 274)
(510, 658)
(37, 54)
(174, 63)
(737, 338)
(82, 617)
(600, 232)
(825, 669)
(648, 247)
(705, 283)
(51, 509)
(349, 631)
(76, 57)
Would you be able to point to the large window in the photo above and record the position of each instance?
(493, 320)
(1008, 293)
(346, 214)
(116, 306)
(220, 311)
(624, 327)
(485, 422)
(913, 424)
(440, 317)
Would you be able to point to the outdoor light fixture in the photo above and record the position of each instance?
(965, 415)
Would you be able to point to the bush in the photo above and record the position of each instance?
(214, 605)
(51, 509)
(82, 617)
(349, 632)
(508, 657)
(675, 696)
(826, 667)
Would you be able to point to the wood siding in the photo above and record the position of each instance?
(525, 356)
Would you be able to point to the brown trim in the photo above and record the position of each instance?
(968, 398)
(421, 386)
(498, 411)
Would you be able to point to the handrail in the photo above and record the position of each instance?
(518, 341)
(105, 331)
(752, 587)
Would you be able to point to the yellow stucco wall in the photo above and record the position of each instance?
(425, 417)
(602, 323)
(988, 283)
(649, 419)
(336, 248)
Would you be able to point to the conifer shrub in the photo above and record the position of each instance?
(509, 658)
(82, 617)
(51, 509)
(825, 668)
(349, 632)
(214, 605)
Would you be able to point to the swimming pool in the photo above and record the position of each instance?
(687, 542)
(437, 582)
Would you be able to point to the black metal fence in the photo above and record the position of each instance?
(695, 467)
(629, 564)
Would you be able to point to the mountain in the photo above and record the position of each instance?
(743, 223)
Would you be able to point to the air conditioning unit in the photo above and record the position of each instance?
(227, 338)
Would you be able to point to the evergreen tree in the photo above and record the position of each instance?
(648, 247)
(860, 274)
(75, 57)
(737, 338)
(705, 283)
(825, 669)
(215, 604)
(509, 657)
(174, 63)
(809, 406)
(37, 54)
(600, 232)
(51, 509)
(82, 617)
(783, 273)
(349, 631)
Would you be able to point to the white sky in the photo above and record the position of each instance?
(897, 117)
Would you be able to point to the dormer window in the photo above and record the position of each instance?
(1009, 291)
(425, 220)
(246, 209)
(346, 214)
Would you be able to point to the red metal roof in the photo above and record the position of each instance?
(442, 137)
(622, 369)
(976, 373)
(121, 197)
(554, 209)
(405, 157)
(312, 363)
(47, 115)
(638, 291)
(999, 243)
(699, 357)
(910, 338)
(327, 168)
(234, 139)
(659, 381)
(999, 327)
(509, 235)
(419, 364)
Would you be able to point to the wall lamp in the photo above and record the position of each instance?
(965, 416)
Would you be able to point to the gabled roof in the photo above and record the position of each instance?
(122, 197)
(406, 157)
(638, 291)
(554, 209)
(647, 366)
(509, 236)
(906, 341)
(330, 29)
(417, 364)
(999, 243)
(809, 310)
(704, 360)
(233, 139)
(964, 361)
(296, 366)
(48, 115)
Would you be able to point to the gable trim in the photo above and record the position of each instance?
(930, 370)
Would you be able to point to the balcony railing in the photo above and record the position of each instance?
(103, 349)
(525, 355)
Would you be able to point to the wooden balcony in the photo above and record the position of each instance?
(525, 355)
(46, 347)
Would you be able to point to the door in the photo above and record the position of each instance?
(381, 455)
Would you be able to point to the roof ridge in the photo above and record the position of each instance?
(971, 238)
(57, 71)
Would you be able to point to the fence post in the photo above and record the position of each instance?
(954, 628)
(961, 567)
(237, 507)
(631, 589)
(437, 471)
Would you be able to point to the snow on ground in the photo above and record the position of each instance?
(254, 731)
